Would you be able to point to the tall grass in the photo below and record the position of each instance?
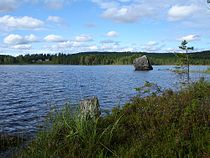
(70, 135)
(9, 141)
(170, 125)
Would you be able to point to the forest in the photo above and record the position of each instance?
(103, 58)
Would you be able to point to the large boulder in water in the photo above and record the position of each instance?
(142, 64)
(90, 108)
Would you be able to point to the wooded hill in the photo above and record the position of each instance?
(104, 58)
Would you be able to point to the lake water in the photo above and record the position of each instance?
(28, 93)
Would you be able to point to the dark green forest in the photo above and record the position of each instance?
(104, 58)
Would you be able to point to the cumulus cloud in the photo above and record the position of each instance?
(56, 4)
(152, 43)
(55, 19)
(109, 45)
(22, 46)
(108, 42)
(11, 5)
(68, 44)
(127, 49)
(62, 45)
(31, 38)
(8, 5)
(112, 34)
(74, 46)
(190, 38)
(77, 42)
(93, 47)
(124, 13)
(25, 22)
(178, 12)
(83, 38)
(54, 38)
(115, 48)
(153, 46)
(15, 39)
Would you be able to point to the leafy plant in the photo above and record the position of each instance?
(148, 89)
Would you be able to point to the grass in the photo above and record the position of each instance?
(179, 71)
(207, 71)
(182, 71)
(10, 144)
(170, 125)
(9, 141)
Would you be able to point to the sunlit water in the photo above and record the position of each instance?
(28, 93)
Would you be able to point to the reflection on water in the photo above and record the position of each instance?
(27, 93)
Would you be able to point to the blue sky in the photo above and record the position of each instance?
(71, 26)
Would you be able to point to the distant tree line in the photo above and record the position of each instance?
(104, 58)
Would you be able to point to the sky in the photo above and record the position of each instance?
(72, 26)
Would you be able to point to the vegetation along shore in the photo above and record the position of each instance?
(170, 124)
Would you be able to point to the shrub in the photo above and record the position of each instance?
(174, 124)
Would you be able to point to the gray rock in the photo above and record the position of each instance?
(90, 108)
(142, 64)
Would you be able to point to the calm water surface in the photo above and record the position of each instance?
(27, 93)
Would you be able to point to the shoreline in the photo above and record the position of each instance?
(125, 125)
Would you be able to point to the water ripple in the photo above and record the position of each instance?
(27, 93)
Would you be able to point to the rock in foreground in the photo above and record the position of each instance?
(142, 64)
(90, 108)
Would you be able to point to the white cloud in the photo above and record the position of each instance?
(109, 46)
(8, 5)
(31, 38)
(77, 43)
(171, 50)
(11, 5)
(55, 19)
(15, 39)
(152, 46)
(152, 43)
(134, 10)
(56, 4)
(108, 42)
(62, 45)
(25, 22)
(129, 13)
(127, 49)
(22, 46)
(190, 38)
(68, 44)
(54, 38)
(112, 34)
(93, 47)
(75, 46)
(125, 14)
(83, 38)
(178, 12)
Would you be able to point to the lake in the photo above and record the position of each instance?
(29, 92)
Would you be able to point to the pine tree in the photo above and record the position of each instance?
(185, 57)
